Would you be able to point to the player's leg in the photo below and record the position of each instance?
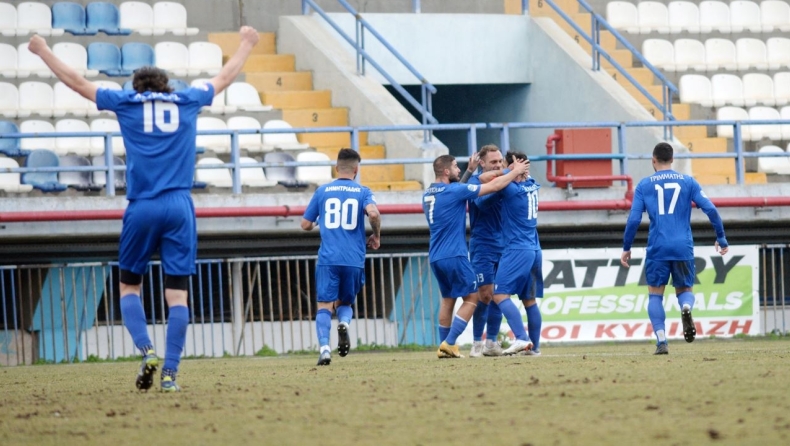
(327, 282)
(683, 274)
(657, 275)
(534, 291)
(485, 290)
(176, 295)
(510, 279)
(351, 283)
(464, 283)
(493, 320)
(447, 304)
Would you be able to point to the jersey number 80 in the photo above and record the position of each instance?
(337, 214)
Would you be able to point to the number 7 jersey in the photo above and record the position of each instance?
(339, 210)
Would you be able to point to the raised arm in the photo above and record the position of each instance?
(374, 216)
(519, 168)
(249, 38)
(65, 73)
(474, 161)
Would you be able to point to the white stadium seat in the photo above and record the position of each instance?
(10, 181)
(214, 177)
(731, 114)
(92, 109)
(30, 64)
(9, 102)
(284, 141)
(36, 126)
(171, 17)
(784, 114)
(689, 53)
(109, 126)
(727, 90)
(696, 89)
(660, 53)
(77, 145)
(782, 88)
(775, 164)
(215, 143)
(8, 20)
(313, 174)
(751, 53)
(653, 17)
(204, 57)
(778, 52)
(138, 17)
(172, 57)
(35, 18)
(758, 88)
(245, 97)
(67, 101)
(250, 142)
(770, 131)
(36, 98)
(714, 16)
(775, 15)
(683, 16)
(623, 15)
(720, 54)
(745, 16)
(75, 56)
(218, 105)
(8, 61)
(254, 176)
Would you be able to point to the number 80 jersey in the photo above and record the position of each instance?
(339, 209)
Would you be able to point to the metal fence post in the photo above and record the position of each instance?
(108, 163)
(415, 6)
(238, 309)
(472, 140)
(234, 158)
(738, 143)
(504, 139)
(621, 147)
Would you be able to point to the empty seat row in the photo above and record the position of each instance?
(255, 142)
(19, 62)
(774, 132)
(679, 16)
(77, 145)
(715, 54)
(239, 96)
(774, 164)
(268, 176)
(39, 98)
(727, 89)
(35, 17)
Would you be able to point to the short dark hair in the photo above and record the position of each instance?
(486, 149)
(347, 160)
(663, 152)
(512, 156)
(151, 79)
(441, 163)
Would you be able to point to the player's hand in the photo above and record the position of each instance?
(521, 167)
(249, 34)
(721, 250)
(624, 258)
(474, 161)
(37, 44)
(374, 241)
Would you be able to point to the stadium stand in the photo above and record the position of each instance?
(137, 17)
(97, 143)
(80, 181)
(37, 98)
(245, 97)
(99, 178)
(172, 57)
(76, 56)
(171, 17)
(44, 181)
(135, 55)
(8, 61)
(8, 20)
(9, 102)
(254, 176)
(252, 142)
(105, 58)
(218, 105)
(105, 17)
(313, 174)
(9, 181)
(282, 141)
(215, 143)
(75, 145)
(37, 126)
(35, 17)
(773, 165)
(30, 63)
(10, 146)
(70, 17)
(213, 177)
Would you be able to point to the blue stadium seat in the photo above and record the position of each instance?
(104, 17)
(44, 181)
(10, 146)
(70, 17)
(128, 85)
(105, 57)
(285, 175)
(177, 84)
(135, 55)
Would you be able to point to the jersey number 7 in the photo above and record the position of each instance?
(430, 200)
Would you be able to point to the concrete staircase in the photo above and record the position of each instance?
(290, 91)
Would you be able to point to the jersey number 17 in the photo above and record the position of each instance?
(675, 193)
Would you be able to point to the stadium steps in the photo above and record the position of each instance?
(290, 91)
(708, 171)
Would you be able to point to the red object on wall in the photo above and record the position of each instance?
(584, 141)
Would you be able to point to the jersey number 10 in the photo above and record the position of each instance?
(337, 214)
(675, 193)
(154, 114)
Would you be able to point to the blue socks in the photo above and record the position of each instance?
(657, 315)
(479, 321)
(134, 320)
(686, 298)
(534, 322)
(443, 332)
(344, 313)
(513, 316)
(494, 321)
(458, 327)
(323, 324)
(177, 323)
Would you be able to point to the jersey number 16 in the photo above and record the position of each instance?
(154, 114)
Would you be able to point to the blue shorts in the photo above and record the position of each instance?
(520, 272)
(683, 272)
(338, 282)
(485, 264)
(455, 276)
(166, 224)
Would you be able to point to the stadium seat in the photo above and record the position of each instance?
(204, 57)
(284, 141)
(758, 88)
(8, 21)
(8, 61)
(782, 88)
(107, 126)
(100, 178)
(138, 17)
(653, 17)
(92, 109)
(106, 59)
(216, 143)
(10, 181)
(696, 89)
(37, 126)
(254, 176)
(218, 105)
(171, 17)
(128, 85)
(77, 145)
(623, 15)
(751, 53)
(75, 56)
(313, 174)
(10, 146)
(70, 17)
(683, 16)
(775, 15)
(35, 18)
(245, 97)
(778, 49)
(784, 114)
(770, 131)
(727, 90)
(714, 16)
(9, 102)
(720, 53)
(104, 17)
(173, 57)
(177, 84)
(135, 55)
(44, 181)
(68, 102)
(731, 114)
(36, 98)
(28, 62)
(776, 165)
(220, 177)
(284, 175)
(77, 180)
(660, 53)
(744, 16)
(251, 142)
(689, 53)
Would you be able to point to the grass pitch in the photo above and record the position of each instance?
(708, 392)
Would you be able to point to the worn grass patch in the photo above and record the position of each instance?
(708, 392)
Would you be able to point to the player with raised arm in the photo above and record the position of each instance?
(339, 209)
(667, 197)
(444, 204)
(159, 129)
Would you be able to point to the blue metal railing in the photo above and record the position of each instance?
(425, 105)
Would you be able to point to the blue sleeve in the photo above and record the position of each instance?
(703, 202)
(107, 99)
(311, 213)
(462, 191)
(486, 201)
(634, 219)
(368, 198)
(203, 94)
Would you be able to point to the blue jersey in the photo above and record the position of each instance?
(667, 196)
(445, 209)
(520, 214)
(485, 219)
(159, 132)
(339, 210)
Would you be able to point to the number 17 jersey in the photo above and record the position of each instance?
(339, 210)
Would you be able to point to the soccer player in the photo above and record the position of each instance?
(485, 249)
(158, 128)
(339, 209)
(444, 204)
(667, 197)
